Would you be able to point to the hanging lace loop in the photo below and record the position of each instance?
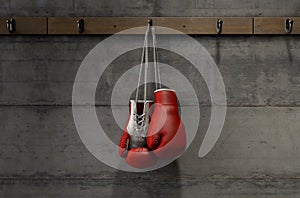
(145, 62)
(144, 66)
(155, 60)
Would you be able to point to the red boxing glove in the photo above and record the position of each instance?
(166, 134)
(133, 143)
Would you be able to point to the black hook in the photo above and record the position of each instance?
(150, 22)
(11, 25)
(219, 26)
(288, 25)
(80, 25)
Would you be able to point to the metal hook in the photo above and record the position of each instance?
(219, 26)
(288, 25)
(80, 25)
(150, 22)
(11, 25)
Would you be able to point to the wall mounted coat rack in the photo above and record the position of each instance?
(111, 25)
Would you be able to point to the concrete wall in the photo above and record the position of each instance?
(257, 155)
(150, 8)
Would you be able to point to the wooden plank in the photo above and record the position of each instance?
(236, 25)
(207, 25)
(275, 25)
(94, 25)
(112, 25)
(25, 25)
(63, 25)
(188, 25)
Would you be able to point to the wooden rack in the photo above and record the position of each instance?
(112, 25)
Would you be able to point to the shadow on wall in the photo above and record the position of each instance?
(165, 182)
(294, 70)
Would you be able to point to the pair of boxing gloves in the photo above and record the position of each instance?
(147, 138)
